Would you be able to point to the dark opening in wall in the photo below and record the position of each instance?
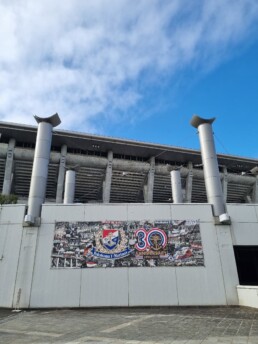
(247, 264)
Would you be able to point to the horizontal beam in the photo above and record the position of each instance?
(26, 154)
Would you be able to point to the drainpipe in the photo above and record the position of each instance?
(61, 175)
(8, 175)
(69, 186)
(210, 167)
(176, 186)
(39, 175)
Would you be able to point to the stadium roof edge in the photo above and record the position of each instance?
(86, 141)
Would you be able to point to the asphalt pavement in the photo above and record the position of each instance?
(172, 325)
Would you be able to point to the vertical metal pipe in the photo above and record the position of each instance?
(40, 166)
(61, 175)
(225, 184)
(150, 182)
(210, 164)
(69, 187)
(176, 186)
(189, 183)
(8, 174)
(108, 179)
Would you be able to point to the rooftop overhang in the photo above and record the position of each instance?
(89, 142)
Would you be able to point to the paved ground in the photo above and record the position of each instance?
(191, 325)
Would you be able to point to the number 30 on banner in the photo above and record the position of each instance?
(145, 238)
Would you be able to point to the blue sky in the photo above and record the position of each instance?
(229, 93)
(136, 70)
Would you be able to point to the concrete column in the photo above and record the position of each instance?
(210, 165)
(8, 174)
(108, 179)
(69, 187)
(225, 183)
(25, 268)
(40, 166)
(61, 175)
(255, 191)
(189, 183)
(176, 186)
(148, 188)
(228, 264)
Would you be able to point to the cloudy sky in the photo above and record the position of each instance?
(136, 69)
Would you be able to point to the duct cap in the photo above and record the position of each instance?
(29, 219)
(196, 121)
(224, 219)
(54, 119)
(74, 168)
(171, 168)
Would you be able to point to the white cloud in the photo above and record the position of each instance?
(85, 59)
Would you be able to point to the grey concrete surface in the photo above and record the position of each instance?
(175, 325)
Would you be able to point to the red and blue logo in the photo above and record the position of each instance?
(110, 238)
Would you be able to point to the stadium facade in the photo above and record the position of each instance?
(102, 221)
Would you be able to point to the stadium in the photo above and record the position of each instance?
(103, 221)
(136, 166)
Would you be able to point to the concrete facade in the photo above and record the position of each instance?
(27, 281)
(112, 170)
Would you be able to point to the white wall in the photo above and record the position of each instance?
(26, 279)
(248, 295)
(244, 226)
(134, 286)
(11, 217)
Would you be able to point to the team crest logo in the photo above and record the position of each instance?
(110, 238)
(111, 244)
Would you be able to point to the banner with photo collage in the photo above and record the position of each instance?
(127, 244)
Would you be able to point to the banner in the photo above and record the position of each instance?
(127, 244)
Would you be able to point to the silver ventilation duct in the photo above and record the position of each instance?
(8, 175)
(69, 187)
(108, 179)
(61, 175)
(176, 186)
(210, 166)
(40, 166)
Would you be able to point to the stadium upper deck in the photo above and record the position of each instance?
(140, 171)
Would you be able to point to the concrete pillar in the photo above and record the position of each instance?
(40, 166)
(61, 175)
(225, 183)
(148, 188)
(25, 268)
(176, 186)
(210, 165)
(69, 187)
(8, 174)
(189, 183)
(255, 191)
(108, 179)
